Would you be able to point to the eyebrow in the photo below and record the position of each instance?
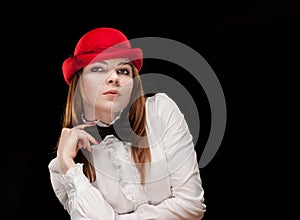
(103, 62)
(123, 63)
(119, 64)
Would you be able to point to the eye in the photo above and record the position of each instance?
(124, 71)
(97, 69)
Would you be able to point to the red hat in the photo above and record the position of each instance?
(100, 44)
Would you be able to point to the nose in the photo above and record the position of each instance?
(113, 79)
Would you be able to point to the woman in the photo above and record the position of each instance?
(122, 154)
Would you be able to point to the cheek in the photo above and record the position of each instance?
(91, 87)
(126, 88)
(122, 101)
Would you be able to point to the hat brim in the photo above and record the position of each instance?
(72, 64)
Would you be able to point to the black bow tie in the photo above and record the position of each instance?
(121, 129)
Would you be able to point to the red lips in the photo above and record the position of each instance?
(111, 92)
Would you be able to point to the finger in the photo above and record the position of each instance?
(85, 144)
(82, 126)
(84, 134)
(85, 137)
(92, 139)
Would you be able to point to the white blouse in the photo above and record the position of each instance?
(173, 188)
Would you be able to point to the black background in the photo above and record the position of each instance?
(252, 46)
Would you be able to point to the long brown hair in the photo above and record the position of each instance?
(137, 116)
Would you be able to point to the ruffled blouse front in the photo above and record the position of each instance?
(117, 176)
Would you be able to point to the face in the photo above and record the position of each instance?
(106, 87)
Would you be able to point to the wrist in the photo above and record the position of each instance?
(64, 163)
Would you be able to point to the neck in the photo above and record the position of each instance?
(107, 117)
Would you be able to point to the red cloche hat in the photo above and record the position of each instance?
(100, 44)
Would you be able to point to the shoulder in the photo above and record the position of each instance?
(160, 99)
(161, 103)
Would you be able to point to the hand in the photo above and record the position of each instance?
(70, 142)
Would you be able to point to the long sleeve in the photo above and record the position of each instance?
(187, 201)
(78, 196)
